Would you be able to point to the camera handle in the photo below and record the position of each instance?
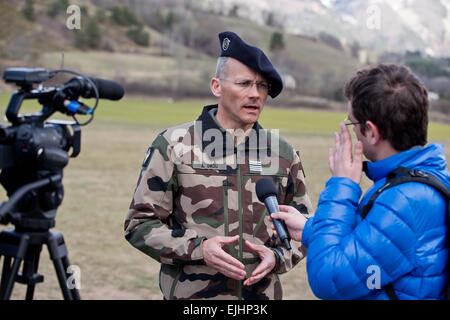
(12, 111)
(14, 106)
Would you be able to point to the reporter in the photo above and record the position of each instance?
(396, 247)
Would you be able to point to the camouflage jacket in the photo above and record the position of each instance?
(189, 191)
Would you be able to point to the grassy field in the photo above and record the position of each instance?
(99, 184)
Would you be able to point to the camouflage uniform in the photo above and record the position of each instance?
(177, 204)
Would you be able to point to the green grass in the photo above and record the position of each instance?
(160, 113)
(164, 113)
(99, 184)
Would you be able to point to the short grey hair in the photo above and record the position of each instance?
(221, 67)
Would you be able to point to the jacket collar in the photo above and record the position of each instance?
(207, 122)
(410, 158)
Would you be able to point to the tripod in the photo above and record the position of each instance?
(24, 244)
(17, 246)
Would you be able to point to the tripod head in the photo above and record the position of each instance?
(33, 221)
(34, 150)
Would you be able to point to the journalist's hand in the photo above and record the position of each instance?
(294, 220)
(341, 160)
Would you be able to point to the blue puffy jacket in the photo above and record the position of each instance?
(403, 238)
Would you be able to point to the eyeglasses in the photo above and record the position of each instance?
(348, 122)
(261, 86)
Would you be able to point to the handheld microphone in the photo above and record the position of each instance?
(267, 193)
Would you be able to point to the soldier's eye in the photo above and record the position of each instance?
(244, 83)
(263, 85)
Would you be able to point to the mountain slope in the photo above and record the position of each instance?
(380, 25)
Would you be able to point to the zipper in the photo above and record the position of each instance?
(260, 222)
(241, 226)
(225, 207)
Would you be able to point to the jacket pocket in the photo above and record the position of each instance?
(200, 200)
(230, 249)
(169, 276)
(175, 283)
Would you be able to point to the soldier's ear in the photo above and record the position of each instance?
(215, 87)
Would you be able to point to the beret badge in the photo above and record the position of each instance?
(225, 44)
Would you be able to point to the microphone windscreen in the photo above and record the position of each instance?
(108, 89)
(265, 188)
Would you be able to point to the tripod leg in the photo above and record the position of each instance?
(30, 268)
(58, 253)
(74, 290)
(6, 273)
(9, 275)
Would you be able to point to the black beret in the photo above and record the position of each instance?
(231, 45)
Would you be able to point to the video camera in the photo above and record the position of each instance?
(34, 150)
(33, 153)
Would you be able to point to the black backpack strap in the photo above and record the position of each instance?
(399, 176)
(402, 175)
(389, 288)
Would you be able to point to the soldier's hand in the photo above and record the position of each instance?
(215, 257)
(268, 262)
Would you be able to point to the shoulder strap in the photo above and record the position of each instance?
(402, 175)
(399, 176)
(389, 288)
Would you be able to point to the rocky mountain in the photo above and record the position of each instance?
(380, 25)
(400, 24)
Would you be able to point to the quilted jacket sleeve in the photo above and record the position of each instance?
(344, 256)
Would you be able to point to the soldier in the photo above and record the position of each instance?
(195, 209)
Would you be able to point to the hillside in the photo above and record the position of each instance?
(178, 61)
